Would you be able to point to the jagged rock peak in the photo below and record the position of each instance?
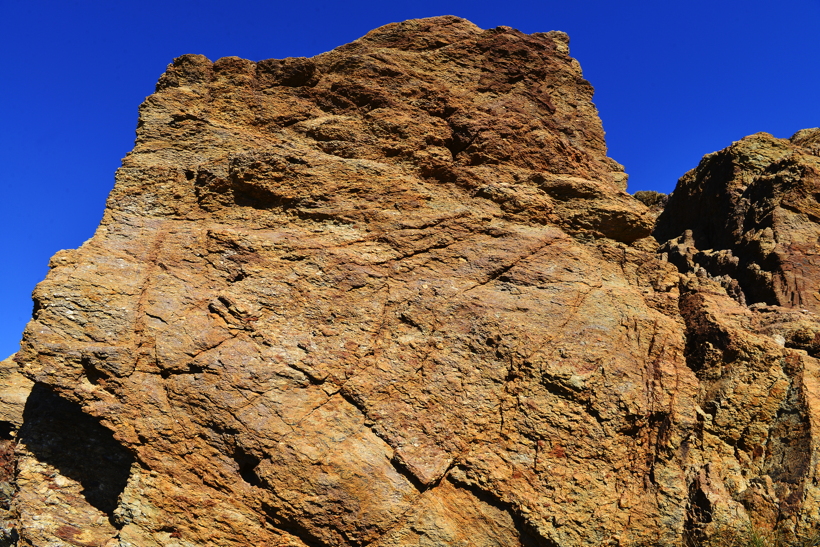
(503, 115)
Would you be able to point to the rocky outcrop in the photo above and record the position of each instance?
(394, 295)
(752, 213)
(744, 224)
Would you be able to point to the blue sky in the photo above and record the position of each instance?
(673, 80)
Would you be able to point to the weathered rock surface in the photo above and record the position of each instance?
(745, 223)
(14, 392)
(13, 396)
(752, 211)
(396, 295)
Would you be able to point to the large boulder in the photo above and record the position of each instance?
(396, 294)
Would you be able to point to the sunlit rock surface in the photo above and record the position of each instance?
(396, 294)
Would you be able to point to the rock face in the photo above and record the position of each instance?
(396, 295)
(744, 223)
(752, 211)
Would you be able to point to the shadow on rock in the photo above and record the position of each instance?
(58, 433)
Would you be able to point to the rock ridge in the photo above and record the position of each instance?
(759, 199)
(396, 294)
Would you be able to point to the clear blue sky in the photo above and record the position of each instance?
(673, 80)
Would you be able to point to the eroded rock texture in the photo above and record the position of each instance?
(396, 295)
(744, 224)
(752, 213)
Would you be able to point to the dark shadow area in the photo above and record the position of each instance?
(58, 433)
(6, 429)
(247, 467)
(290, 526)
(698, 514)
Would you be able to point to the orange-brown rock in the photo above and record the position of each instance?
(396, 295)
(745, 223)
(752, 211)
